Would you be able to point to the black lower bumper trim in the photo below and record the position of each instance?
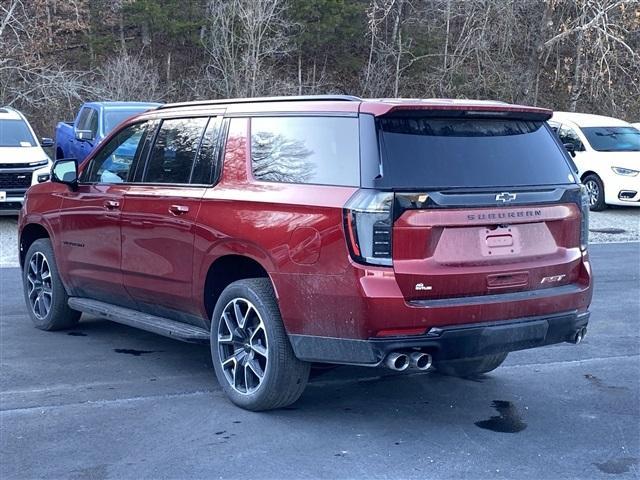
(459, 341)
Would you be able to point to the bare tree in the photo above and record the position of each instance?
(128, 78)
(244, 41)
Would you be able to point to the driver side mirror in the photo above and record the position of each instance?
(571, 148)
(84, 135)
(65, 172)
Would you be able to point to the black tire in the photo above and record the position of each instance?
(469, 367)
(58, 316)
(284, 376)
(596, 192)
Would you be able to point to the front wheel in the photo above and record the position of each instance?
(595, 190)
(250, 349)
(44, 292)
(469, 367)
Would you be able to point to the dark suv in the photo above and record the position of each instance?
(288, 231)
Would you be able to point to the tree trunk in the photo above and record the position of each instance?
(576, 85)
(123, 44)
(299, 73)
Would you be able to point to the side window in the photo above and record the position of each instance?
(314, 150)
(207, 160)
(173, 154)
(92, 122)
(113, 161)
(82, 123)
(567, 135)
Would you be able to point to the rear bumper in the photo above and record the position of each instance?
(446, 343)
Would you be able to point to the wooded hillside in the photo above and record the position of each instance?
(581, 55)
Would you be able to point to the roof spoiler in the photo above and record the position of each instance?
(516, 112)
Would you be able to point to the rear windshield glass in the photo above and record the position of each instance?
(452, 152)
(15, 133)
(613, 139)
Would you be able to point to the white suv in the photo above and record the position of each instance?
(607, 153)
(23, 162)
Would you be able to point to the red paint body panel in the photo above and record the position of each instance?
(143, 253)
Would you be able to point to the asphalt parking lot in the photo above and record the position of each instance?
(108, 401)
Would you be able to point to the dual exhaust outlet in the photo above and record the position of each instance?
(579, 335)
(401, 361)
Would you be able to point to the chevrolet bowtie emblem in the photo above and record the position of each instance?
(505, 197)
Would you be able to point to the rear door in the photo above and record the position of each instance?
(159, 215)
(90, 219)
(482, 206)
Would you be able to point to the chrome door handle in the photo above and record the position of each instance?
(112, 204)
(178, 209)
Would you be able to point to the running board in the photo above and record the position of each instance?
(133, 318)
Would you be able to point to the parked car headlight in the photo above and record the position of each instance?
(39, 163)
(627, 172)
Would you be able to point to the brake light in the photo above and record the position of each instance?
(584, 221)
(368, 224)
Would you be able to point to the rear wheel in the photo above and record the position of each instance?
(469, 367)
(595, 190)
(44, 293)
(250, 349)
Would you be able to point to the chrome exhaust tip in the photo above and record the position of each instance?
(579, 335)
(421, 361)
(397, 361)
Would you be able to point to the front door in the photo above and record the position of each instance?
(90, 221)
(158, 221)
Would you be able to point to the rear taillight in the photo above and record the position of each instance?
(368, 225)
(584, 222)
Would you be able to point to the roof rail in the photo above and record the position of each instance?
(299, 98)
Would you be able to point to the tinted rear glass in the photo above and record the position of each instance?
(316, 150)
(452, 152)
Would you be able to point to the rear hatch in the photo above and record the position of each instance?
(481, 204)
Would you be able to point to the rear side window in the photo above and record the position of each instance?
(174, 151)
(314, 150)
(456, 152)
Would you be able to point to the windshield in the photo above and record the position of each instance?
(15, 133)
(454, 152)
(613, 139)
(114, 117)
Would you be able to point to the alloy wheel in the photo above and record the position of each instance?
(242, 346)
(593, 191)
(39, 287)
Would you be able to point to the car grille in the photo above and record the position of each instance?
(15, 181)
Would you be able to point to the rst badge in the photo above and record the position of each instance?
(552, 279)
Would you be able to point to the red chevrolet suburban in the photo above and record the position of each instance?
(332, 229)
